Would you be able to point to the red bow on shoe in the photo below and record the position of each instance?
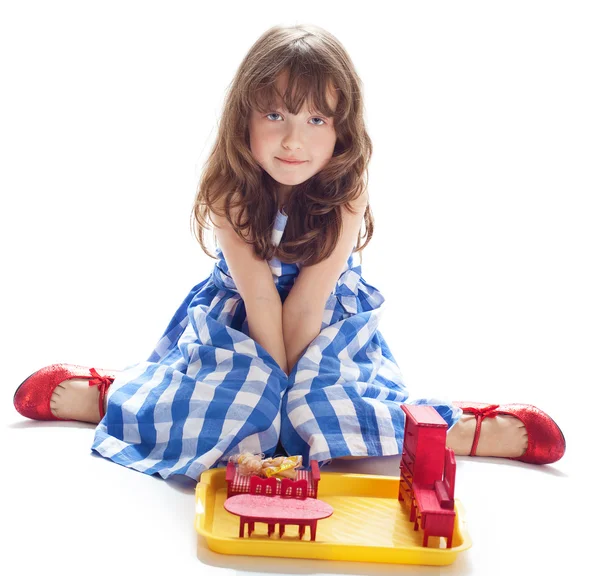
(490, 411)
(481, 413)
(103, 382)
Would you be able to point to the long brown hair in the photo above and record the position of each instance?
(232, 178)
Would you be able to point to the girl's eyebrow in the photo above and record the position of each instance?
(282, 107)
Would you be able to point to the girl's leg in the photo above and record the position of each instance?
(503, 436)
(75, 399)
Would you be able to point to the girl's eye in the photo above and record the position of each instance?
(314, 118)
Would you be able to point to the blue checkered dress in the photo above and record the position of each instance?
(208, 390)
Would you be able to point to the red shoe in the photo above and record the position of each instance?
(32, 398)
(545, 440)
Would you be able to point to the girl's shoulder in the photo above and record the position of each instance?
(236, 208)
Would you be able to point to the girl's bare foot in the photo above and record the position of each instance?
(75, 399)
(502, 436)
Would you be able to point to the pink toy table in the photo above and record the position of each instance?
(277, 510)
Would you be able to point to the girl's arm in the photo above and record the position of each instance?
(264, 315)
(254, 281)
(304, 306)
(301, 325)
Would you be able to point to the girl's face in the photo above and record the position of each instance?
(279, 135)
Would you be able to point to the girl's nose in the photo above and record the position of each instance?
(292, 138)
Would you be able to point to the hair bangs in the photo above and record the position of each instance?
(300, 89)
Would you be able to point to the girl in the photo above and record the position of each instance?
(277, 350)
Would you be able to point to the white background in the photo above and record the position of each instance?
(484, 185)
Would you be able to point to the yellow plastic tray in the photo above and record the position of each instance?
(368, 525)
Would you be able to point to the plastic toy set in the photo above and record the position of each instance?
(411, 519)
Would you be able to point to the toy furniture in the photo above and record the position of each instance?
(294, 488)
(368, 525)
(252, 508)
(263, 486)
(427, 473)
(307, 481)
(435, 507)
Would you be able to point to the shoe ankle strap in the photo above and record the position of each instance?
(480, 414)
(103, 383)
